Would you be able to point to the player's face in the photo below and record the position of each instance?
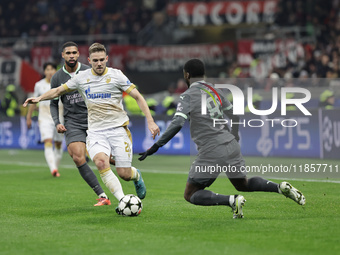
(98, 62)
(49, 72)
(71, 55)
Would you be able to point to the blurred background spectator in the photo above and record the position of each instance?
(327, 99)
(9, 104)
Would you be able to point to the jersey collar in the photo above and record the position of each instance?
(196, 83)
(64, 69)
(105, 72)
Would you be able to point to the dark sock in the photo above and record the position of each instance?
(207, 197)
(259, 184)
(91, 179)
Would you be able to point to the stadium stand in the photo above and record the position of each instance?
(313, 24)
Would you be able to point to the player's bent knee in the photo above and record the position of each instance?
(241, 188)
(240, 184)
(78, 159)
(100, 163)
(187, 197)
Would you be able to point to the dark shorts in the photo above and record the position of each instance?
(75, 135)
(224, 158)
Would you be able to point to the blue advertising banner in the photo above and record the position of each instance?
(14, 134)
(295, 135)
(330, 133)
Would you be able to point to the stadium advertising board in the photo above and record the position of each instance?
(330, 133)
(310, 138)
(14, 134)
(262, 56)
(168, 58)
(223, 12)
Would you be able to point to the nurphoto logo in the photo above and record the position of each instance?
(239, 105)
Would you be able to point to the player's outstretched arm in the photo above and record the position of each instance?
(154, 129)
(174, 127)
(154, 148)
(46, 96)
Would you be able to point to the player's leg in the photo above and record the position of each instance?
(50, 158)
(260, 184)
(46, 135)
(76, 147)
(255, 184)
(110, 180)
(58, 150)
(99, 150)
(240, 181)
(121, 144)
(133, 174)
(197, 194)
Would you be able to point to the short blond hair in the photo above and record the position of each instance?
(96, 47)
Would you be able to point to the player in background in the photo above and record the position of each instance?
(102, 88)
(216, 146)
(48, 133)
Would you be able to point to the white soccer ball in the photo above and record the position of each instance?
(130, 205)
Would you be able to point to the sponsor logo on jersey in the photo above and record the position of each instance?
(90, 95)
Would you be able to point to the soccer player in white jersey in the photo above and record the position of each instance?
(48, 133)
(102, 88)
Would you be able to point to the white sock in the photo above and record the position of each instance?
(231, 200)
(112, 183)
(134, 174)
(49, 156)
(102, 195)
(58, 153)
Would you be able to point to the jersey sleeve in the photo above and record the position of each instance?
(54, 82)
(124, 83)
(183, 106)
(71, 84)
(54, 104)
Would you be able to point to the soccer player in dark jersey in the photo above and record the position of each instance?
(217, 146)
(75, 115)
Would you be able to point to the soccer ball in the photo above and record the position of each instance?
(130, 205)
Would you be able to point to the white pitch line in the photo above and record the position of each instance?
(6, 171)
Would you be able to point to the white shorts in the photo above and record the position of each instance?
(116, 141)
(49, 131)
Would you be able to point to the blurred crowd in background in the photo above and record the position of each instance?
(84, 17)
(77, 17)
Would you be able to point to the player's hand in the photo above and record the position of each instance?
(31, 100)
(149, 152)
(29, 123)
(61, 128)
(154, 129)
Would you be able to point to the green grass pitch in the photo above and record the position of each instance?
(44, 215)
